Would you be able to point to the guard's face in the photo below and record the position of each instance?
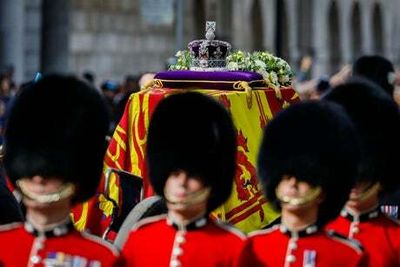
(36, 188)
(363, 194)
(183, 191)
(296, 194)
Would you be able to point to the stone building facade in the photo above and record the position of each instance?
(112, 38)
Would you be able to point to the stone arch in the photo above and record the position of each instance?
(356, 30)
(334, 37)
(378, 30)
(257, 25)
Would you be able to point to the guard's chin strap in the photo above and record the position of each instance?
(66, 190)
(371, 190)
(192, 199)
(300, 201)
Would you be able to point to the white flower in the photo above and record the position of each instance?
(233, 66)
(260, 64)
(284, 79)
(273, 77)
(280, 64)
(265, 74)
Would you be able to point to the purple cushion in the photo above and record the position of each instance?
(208, 80)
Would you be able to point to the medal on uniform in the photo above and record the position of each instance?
(309, 258)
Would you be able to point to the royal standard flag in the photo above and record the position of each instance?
(251, 111)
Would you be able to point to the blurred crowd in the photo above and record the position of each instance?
(376, 68)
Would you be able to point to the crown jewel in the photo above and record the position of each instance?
(209, 54)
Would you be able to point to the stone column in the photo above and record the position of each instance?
(345, 25)
(269, 24)
(224, 20)
(11, 36)
(292, 14)
(396, 39)
(241, 21)
(320, 31)
(388, 26)
(55, 36)
(366, 26)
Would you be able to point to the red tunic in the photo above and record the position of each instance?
(22, 245)
(377, 233)
(278, 246)
(157, 241)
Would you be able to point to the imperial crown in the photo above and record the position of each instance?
(209, 54)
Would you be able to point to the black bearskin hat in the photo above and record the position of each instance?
(193, 133)
(377, 120)
(376, 69)
(316, 143)
(57, 128)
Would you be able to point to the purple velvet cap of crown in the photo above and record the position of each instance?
(223, 80)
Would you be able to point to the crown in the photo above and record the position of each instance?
(209, 54)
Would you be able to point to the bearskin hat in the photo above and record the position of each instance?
(376, 69)
(57, 128)
(377, 120)
(193, 133)
(316, 143)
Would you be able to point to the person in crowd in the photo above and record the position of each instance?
(5, 98)
(110, 89)
(314, 88)
(377, 121)
(54, 147)
(130, 86)
(90, 77)
(191, 159)
(307, 164)
(376, 69)
(396, 91)
(305, 69)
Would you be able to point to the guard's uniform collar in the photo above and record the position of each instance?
(59, 229)
(373, 213)
(309, 230)
(192, 225)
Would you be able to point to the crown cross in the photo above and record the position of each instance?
(210, 30)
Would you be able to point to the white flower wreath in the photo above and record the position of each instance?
(275, 71)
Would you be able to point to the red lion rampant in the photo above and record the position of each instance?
(246, 175)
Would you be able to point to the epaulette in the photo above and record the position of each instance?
(10, 226)
(348, 241)
(148, 220)
(102, 242)
(227, 227)
(264, 231)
